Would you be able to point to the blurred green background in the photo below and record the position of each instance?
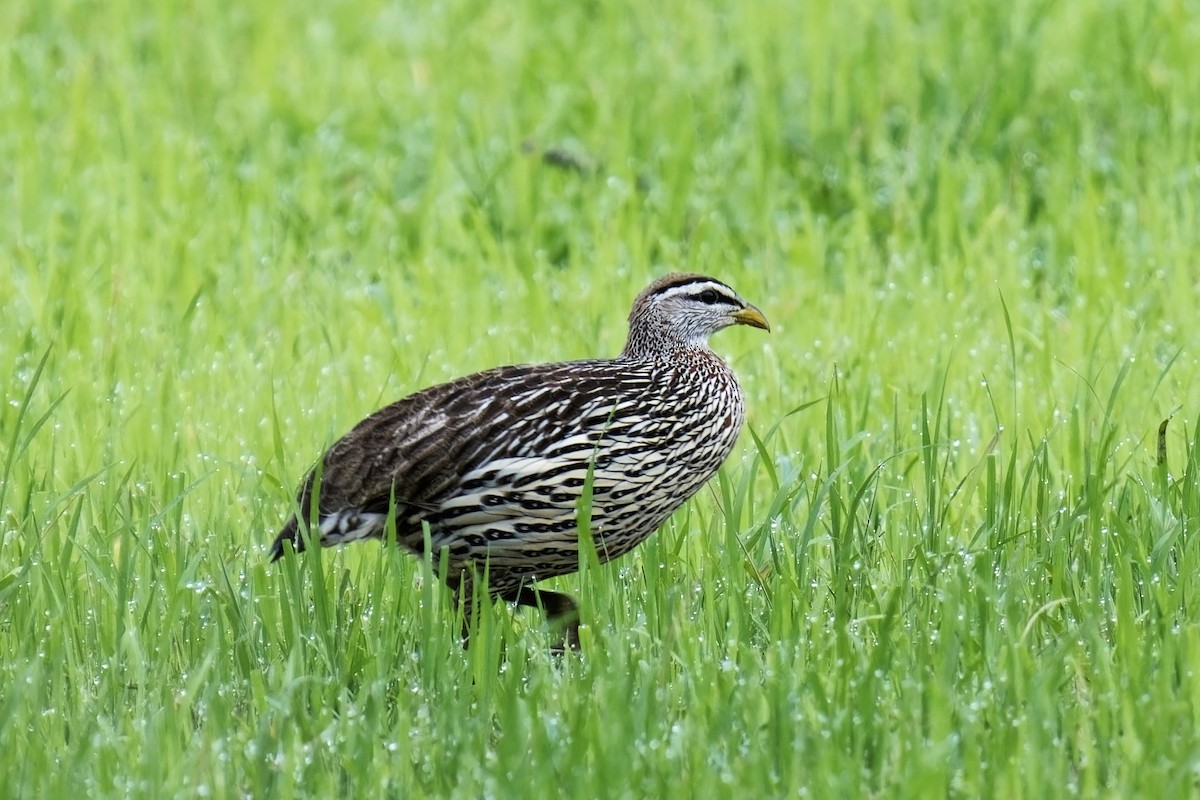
(230, 230)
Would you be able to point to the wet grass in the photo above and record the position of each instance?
(948, 557)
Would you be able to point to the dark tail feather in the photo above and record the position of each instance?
(288, 534)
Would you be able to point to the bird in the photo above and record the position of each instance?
(495, 468)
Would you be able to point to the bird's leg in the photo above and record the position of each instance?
(561, 612)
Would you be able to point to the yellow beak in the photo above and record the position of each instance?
(751, 316)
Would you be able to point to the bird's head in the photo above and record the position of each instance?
(683, 310)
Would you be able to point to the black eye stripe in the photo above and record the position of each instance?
(712, 298)
(694, 289)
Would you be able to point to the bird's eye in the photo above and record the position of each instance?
(709, 296)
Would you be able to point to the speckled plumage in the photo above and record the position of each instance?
(496, 462)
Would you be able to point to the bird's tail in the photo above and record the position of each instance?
(290, 534)
(291, 529)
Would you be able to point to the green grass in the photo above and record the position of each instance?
(230, 230)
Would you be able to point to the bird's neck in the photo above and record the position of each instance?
(641, 349)
(653, 338)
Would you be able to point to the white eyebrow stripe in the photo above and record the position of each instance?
(690, 289)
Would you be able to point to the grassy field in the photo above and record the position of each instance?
(947, 558)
